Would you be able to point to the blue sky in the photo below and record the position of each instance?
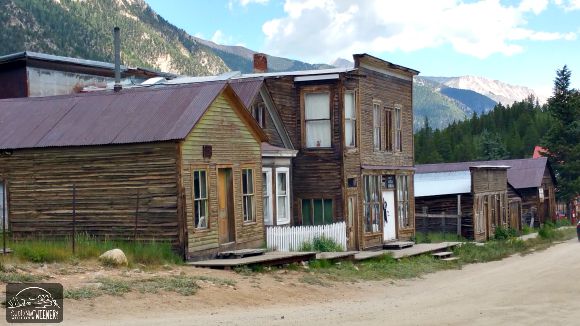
(519, 42)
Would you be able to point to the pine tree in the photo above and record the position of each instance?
(562, 139)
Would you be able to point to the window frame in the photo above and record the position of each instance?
(248, 196)
(353, 119)
(268, 209)
(304, 121)
(203, 200)
(4, 203)
(372, 204)
(404, 201)
(377, 146)
(285, 171)
(259, 114)
(312, 218)
(389, 129)
(398, 128)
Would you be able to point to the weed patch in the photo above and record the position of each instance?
(321, 244)
(436, 237)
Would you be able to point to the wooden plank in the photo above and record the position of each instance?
(268, 259)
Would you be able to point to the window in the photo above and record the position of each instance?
(376, 127)
(267, 195)
(388, 130)
(317, 120)
(259, 113)
(372, 211)
(3, 204)
(282, 196)
(316, 211)
(403, 201)
(200, 212)
(248, 195)
(398, 146)
(349, 119)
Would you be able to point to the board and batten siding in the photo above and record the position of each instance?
(233, 146)
(107, 179)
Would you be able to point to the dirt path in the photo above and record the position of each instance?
(538, 289)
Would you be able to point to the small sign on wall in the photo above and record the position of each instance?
(541, 193)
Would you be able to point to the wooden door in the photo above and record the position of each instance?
(389, 225)
(226, 227)
(352, 223)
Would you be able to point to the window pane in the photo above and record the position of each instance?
(250, 208)
(349, 132)
(203, 184)
(317, 106)
(281, 207)
(196, 190)
(281, 183)
(318, 217)
(327, 211)
(349, 110)
(250, 181)
(306, 212)
(318, 133)
(264, 184)
(244, 181)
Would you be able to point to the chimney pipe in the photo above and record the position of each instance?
(260, 63)
(117, 44)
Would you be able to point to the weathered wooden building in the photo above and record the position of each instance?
(178, 163)
(469, 203)
(353, 132)
(531, 187)
(32, 74)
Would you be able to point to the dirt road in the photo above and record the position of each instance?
(539, 289)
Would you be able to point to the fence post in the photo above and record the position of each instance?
(74, 217)
(136, 217)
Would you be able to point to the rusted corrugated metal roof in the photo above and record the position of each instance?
(523, 173)
(100, 118)
(247, 89)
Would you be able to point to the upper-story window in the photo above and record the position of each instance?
(388, 129)
(259, 113)
(376, 126)
(398, 139)
(318, 131)
(349, 119)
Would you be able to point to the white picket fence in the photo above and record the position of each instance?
(291, 238)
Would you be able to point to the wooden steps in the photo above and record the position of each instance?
(444, 255)
(234, 254)
(398, 245)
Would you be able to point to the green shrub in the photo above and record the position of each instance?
(527, 229)
(321, 244)
(563, 222)
(502, 233)
(547, 231)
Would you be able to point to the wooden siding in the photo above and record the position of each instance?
(13, 80)
(233, 146)
(107, 179)
(270, 129)
(443, 211)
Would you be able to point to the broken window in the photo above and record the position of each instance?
(316, 211)
(317, 119)
(259, 113)
(403, 211)
(200, 199)
(248, 195)
(372, 211)
(349, 119)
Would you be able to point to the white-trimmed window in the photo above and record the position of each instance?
(349, 119)
(267, 195)
(200, 212)
(403, 198)
(317, 120)
(248, 198)
(398, 131)
(283, 196)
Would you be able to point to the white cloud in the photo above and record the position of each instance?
(219, 37)
(321, 30)
(568, 5)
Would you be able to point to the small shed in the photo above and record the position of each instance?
(470, 203)
(180, 164)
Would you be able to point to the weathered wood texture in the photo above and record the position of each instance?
(107, 179)
(269, 128)
(13, 80)
(442, 211)
(234, 146)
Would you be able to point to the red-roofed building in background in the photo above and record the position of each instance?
(538, 150)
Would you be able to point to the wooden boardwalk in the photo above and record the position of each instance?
(418, 249)
(271, 258)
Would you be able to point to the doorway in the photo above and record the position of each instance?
(226, 221)
(352, 226)
(389, 224)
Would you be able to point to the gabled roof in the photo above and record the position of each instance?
(100, 118)
(523, 173)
